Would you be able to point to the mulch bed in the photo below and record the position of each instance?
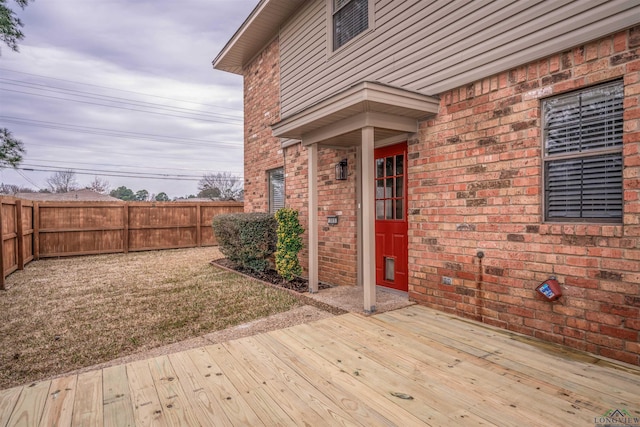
(299, 285)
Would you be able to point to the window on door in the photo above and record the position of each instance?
(390, 191)
(276, 189)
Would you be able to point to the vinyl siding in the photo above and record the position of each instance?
(434, 46)
(305, 41)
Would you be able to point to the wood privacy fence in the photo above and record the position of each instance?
(34, 230)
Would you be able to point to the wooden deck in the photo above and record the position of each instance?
(408, 367)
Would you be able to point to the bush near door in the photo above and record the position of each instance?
(247, 239)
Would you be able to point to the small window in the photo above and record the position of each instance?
(350, 18)
(582, 156)
(390, 194)
(276, 189)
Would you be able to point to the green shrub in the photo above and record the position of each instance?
(246, 239)
(289, 243)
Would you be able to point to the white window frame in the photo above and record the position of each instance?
(273, 206)
(330, 26)
(582, 149)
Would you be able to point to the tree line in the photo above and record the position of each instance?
(213, 186)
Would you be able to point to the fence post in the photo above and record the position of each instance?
(2, 276)
(20, 233)
(36, 230)
(125, 230)
(198, 225)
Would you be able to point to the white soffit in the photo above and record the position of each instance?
(365, 104)
(259, 28)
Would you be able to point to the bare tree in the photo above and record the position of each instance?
(62, 181)
(99, 185)
(13, 189)
(221, 185)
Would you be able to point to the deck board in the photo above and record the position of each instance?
(336, 408)
(284, 389)
(350, 400)
(413, 366)
(28, 409)
(175, 404)
(305, 359)
(428, 404)
(438, 390)
(537, 361)
(479, 381)
(88, 406)
(117, 405)
(210, 392)
(536, 367)
(257, 398)
(147, 410)
(468, 332)
(58, 409)
(8, 399)
(234, 404)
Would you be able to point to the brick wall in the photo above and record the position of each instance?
(475, 185)
(296, 178)
(262, 152)
(337, 244)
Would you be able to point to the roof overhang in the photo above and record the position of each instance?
(259, 28)
(337, 120)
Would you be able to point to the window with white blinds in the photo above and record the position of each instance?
(350, 18)
(276, 189)
(582, 156)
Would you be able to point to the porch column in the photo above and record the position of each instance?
(312, 165)
(368, 220)
(359, 212)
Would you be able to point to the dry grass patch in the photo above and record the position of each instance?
(60, 315)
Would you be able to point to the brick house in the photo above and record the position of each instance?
(487, 147)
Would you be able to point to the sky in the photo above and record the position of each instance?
(124, 90)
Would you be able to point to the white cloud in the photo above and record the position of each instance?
(161, 48)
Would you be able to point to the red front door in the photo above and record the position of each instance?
(391, 217)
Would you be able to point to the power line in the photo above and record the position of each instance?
(122, 103)
(129, 167)
(78, 170)
(148, 155)
(121, 90)
(107, 98)
(116, 133)
(28, 180)
(113, 173)
(121, 108)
